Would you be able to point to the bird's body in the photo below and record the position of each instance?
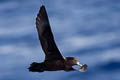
(53, 59)
(47, 66)
(54, 65)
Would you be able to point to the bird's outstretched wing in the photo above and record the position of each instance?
(46, 37)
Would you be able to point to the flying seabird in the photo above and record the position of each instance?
(54, 61)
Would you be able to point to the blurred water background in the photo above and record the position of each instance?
(86, 29)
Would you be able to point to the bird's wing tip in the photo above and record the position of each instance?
(43, 6)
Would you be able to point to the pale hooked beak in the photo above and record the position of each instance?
(82, 67)
(78, 63)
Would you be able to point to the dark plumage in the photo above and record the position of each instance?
(53, 58)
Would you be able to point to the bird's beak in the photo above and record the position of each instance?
(82, 67)
(78, 63)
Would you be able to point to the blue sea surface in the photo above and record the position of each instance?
(86, 29)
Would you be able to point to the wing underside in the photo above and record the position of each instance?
(46, 37)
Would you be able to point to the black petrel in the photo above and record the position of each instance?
(54, 61)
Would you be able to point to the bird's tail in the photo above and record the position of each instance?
(36, 67)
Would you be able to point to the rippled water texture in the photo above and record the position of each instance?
(86, 29)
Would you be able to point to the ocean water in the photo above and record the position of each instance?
(86, 29)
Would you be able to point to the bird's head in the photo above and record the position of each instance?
(73, 62)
